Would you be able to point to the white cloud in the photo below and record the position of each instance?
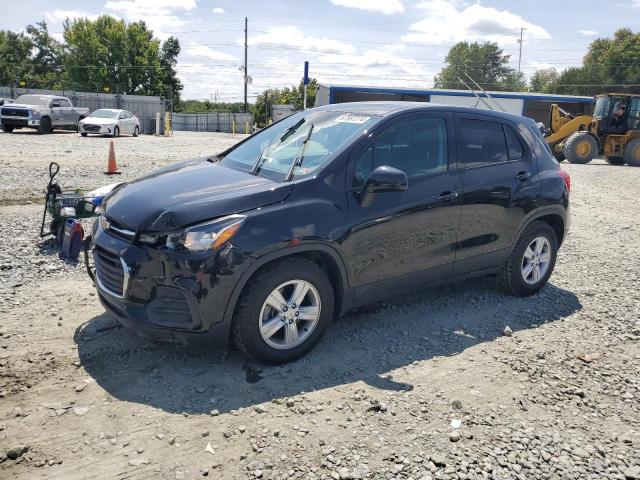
(61, 15)
(383, 6)
(218, 10)
(208, 52)
(588, 33)
(444, 23)
(159, 15)
(378, 67)
(635, 4)
(288, 36)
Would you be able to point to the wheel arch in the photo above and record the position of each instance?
(553, 216)
(326, 257)
(556, 222)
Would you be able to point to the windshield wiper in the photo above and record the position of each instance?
(297, 161)
(288, 132)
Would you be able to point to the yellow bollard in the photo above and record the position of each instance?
(233, 127)
(167, 124)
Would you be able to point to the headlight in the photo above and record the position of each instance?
(206, 236)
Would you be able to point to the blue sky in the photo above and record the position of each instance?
(366, 42)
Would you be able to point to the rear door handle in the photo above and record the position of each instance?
(446, 197)
(522, 176)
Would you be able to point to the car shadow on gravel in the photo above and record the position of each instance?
(364, 345)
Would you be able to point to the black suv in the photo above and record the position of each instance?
(326, 210)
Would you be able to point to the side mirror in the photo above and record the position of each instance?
(383, 179)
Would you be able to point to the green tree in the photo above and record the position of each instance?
(46, 64)
(611, 64)
(15, 57)
(204, 106)
(171, 84)
(485, 62)
(126, 58)
(543, 81)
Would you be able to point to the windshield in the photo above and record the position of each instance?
(308, 138)
(601, 109)
(33, 100)
(104, 114)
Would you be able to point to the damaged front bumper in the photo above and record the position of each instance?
(180, 297)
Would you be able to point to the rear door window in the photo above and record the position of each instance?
(483, 143)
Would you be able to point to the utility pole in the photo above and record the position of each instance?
(522, 29)
(246, 77)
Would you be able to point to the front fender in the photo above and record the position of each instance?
(274, 255)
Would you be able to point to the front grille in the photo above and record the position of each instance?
(15, 112)
(91, 128)
(110, 271)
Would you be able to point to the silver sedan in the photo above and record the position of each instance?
(108, 121)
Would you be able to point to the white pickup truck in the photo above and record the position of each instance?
(42, 113)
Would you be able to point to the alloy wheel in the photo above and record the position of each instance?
(290, 314)
(536, 260)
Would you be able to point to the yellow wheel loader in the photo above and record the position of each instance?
(613, 131)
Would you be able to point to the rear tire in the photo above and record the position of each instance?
(45, 126)
(253, 315)
(580, 148)
(7, 129)
(632, 153)
(614, 160)
(136, 131)
(514, 276)
(84, 134)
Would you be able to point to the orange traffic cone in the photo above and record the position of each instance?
(112, 168)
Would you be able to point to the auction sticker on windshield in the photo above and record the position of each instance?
(352, 118)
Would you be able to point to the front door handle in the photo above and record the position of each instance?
(522, 176)
(446, 197)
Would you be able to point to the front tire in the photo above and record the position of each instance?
(84, 134)
(580, 148)
(531, 261)
(116, 132)
(632, 153)
(7, 129)
(45, 126)
(283, 311)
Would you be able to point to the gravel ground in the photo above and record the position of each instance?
(428, 386)
(26, 155)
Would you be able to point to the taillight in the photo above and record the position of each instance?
(567, 180)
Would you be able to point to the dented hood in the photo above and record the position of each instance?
(189, 193)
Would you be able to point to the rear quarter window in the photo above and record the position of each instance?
(544, 158)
